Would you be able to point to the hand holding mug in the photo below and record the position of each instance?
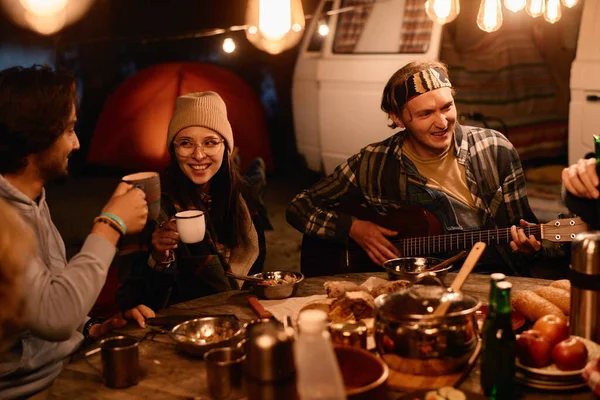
(190, 226)
(164, 238)
(130, 206)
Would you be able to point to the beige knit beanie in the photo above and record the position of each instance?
(206, 109)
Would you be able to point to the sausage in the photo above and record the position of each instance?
(563, 284)
(533, 306)
(560, 298)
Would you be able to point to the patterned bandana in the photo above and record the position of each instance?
(419, 83)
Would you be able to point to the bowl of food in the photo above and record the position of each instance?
(408, 268)
(364, 373)
(277, 284)
(199, 335)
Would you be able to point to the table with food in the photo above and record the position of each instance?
(399, 334)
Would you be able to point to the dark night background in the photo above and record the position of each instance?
(117, 38)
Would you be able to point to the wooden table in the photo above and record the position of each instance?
(168, 374)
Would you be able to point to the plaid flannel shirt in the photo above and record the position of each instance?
(493, 172)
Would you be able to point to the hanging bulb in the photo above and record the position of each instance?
(515, 5)
(274, 25)
(570, 3)
(535, 8)
(43, 8)
(489, 17)
(553, 12)
(323, 28)
(228, 45)
(442, 11)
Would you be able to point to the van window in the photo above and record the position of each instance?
(393, 26)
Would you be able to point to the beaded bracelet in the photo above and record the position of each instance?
(110, 223)
(117, 220)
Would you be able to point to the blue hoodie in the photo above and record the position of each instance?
(58, 296)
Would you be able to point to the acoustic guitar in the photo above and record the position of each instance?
(419, 234)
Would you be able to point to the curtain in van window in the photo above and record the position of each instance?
(351, 24)
(415, 35)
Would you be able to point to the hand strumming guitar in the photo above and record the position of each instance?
(520, 242)
(372, 238)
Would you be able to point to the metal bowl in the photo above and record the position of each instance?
(279, 291)
(199, 335)
(408, 268)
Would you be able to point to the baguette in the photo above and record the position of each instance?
(560, 298)
(533, 306)
(563, 284)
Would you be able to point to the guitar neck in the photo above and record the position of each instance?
(418, 246)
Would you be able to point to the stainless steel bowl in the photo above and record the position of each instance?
(199, 335)
(279, 291)
(408, 268)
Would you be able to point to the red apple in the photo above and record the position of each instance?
(570, 354)
(553, 327)
(534, 349)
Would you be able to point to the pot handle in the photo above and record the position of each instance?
(429, 276)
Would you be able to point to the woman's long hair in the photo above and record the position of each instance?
(226, 190)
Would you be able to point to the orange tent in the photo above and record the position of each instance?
(131, 132)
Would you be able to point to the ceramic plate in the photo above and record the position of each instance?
(552, 371)
(546, 385)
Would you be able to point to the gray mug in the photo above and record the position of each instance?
(120, 362)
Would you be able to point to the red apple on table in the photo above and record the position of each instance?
(534, 349)
(553, 327)
(570, 354)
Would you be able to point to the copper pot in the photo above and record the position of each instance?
(413, 341)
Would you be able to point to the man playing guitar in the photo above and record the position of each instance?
(469, 178)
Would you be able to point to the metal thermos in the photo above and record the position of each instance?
(584, 275)
(270, 369)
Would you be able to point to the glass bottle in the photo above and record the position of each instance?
(499, 348)
(597, 148)
(318, 372)
(491, 311)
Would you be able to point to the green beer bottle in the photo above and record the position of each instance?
(597, 148)
(499, 347)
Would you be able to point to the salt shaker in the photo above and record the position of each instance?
(584, 275)
(270, 369)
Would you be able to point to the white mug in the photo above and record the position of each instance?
(190, 225)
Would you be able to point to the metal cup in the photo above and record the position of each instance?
(349, 334)
(120, 362)
(224, 373)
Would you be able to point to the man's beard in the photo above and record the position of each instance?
(55, 171)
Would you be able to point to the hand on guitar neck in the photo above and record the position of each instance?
(520, 242)
(372, 238)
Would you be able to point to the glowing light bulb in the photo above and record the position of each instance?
(274, 18)
(46, 25)
(535, 8)
(553, 12)
(515, 5)
(228, 45)
(489, 17)
(323, 29)
(442, 11)
(42, 8)
(570, 3)
(274, 25)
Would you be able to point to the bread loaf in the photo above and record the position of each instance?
(563, 284)
(389, 287)
(533, 306)
(335, 289)
(360, 304)
(558, 297)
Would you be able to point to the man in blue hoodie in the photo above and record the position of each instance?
(37, 136)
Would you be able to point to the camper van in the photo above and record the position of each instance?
(517, 80)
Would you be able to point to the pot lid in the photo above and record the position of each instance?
(420, 301)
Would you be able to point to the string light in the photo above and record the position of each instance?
(535, 8)
(489, 17)
(553, 12)
(442, 11)
(44, 7)
(515, 5)
(228, 45)
(570, 3)
(279, 23)
(323, 28)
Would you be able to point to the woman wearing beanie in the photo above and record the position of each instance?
(201, 175)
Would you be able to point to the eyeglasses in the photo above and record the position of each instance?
(187, 147)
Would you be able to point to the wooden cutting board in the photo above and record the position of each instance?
(407, 382)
